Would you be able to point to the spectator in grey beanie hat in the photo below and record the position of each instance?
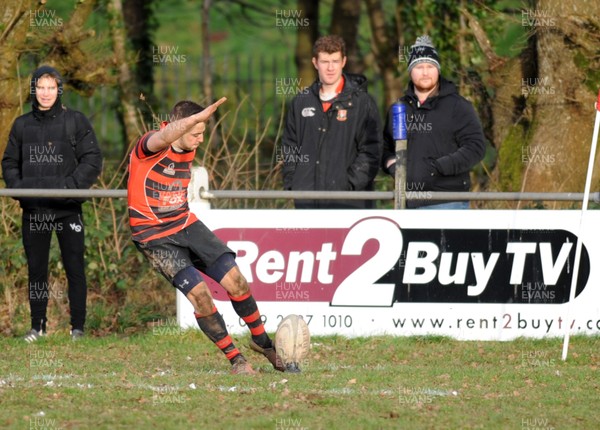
(444, 135)
(423, 51)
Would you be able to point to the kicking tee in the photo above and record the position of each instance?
(157, 191)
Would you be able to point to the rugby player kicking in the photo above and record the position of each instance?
(176, 243)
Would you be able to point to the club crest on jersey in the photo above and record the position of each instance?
(342, 115)
(308, 111)
(170, 169)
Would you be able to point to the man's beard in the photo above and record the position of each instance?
(428, 88)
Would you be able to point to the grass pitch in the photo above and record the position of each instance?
(171, 379)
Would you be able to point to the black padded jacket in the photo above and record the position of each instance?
(337, 150)
(445, 141)
(39, 154)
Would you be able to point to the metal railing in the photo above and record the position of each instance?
(62, 193)
(389, 195)
(312, 195)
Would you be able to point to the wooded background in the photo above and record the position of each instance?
(531, 68)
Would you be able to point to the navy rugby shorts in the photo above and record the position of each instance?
(195, 246)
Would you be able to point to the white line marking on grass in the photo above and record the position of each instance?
(102, 382)
(47, 377)
(432, 392)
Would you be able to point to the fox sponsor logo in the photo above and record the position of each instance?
(376, 263)
(172, 200)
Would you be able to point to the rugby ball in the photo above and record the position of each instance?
(292, 342)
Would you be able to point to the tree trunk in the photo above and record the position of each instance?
(385, 47)
(562, 95)
(82, 70)
(344, 23)
(206, 57)
(137, 16)
(543, 101)
(61, 50)
(505, 121)
(14, 87)
(307, 36)
(127, 92)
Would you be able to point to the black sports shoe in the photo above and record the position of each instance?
(241, 367)
(270, 354)
(33, 335)
(292, 368)
(77, 334)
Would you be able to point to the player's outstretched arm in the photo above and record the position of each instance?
(174, 130)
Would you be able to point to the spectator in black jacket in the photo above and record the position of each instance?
(445, 137)
(332, 137)
(52, 147)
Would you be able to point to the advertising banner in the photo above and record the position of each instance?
(468, 274)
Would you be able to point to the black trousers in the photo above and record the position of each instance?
(37, 231)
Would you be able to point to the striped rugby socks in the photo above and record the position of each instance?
(245, 306)
(214, 327)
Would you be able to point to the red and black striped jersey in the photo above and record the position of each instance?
(157, 191)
